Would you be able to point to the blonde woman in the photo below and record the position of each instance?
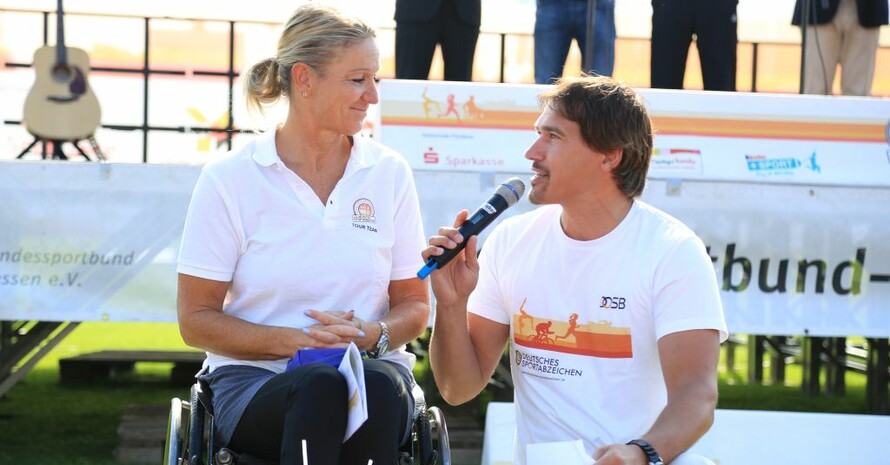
(308, 237)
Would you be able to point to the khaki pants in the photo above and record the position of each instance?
(842, 41)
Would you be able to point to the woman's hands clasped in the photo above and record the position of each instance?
(453, 283)
(337, 328)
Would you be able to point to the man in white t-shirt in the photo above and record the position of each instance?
(611, 306)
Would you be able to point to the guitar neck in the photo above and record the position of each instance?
(61, 51)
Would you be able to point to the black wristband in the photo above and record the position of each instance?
(651, 453)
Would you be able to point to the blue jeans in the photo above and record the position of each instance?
(557, 22)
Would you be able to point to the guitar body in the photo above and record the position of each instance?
(61, 105)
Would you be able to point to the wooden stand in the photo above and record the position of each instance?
(104, 365)
(58, 154)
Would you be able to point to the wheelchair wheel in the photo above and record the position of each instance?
(177, 432)
(425, 452)
(439, 434)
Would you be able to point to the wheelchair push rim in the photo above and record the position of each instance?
(177, 430)
(439, 432)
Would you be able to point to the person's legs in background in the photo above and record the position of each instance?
(458, 42)
(603, 33)
(857, 58)
(671, 36)
(415, 45)
(716, 30)
(557, 22)
(552, 39)
(858, 46)
(821, 55)
(604, 38)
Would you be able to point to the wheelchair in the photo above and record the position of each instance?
(189, 440)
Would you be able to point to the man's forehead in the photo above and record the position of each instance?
(551, 119)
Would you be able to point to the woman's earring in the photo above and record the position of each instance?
(305, 94)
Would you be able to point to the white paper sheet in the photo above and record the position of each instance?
(354, 371)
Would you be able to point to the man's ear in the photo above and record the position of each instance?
(612, 159)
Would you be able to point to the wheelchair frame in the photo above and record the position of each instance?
(189, 440)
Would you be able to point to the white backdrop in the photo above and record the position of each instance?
(796, 251)
(718, 136)
(61, 221)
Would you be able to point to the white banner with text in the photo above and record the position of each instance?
(794, 208)
(90, 242)
(723, 136)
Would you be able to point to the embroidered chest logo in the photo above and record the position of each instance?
(363, 215)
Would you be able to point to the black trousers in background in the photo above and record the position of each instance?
(310, 403)
(715, 26)
(416, 43)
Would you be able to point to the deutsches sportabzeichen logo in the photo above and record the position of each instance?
(544, 367)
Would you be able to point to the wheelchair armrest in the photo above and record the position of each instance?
(419, 400)
(201, 389)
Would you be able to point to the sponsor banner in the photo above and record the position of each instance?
(771, 161)
(448, 126)
(458, 126)
(790, 194)
(791, 259)
(91, 241)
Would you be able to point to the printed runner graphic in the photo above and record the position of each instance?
(595, 339)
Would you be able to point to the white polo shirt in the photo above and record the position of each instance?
(253, 222)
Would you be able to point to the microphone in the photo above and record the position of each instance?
(507, 194)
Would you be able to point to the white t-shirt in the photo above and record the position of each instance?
(254, 222)
(585, 317)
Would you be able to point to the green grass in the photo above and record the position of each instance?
(45, 423)
(736, 393)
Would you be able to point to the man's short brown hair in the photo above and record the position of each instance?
(611, 116)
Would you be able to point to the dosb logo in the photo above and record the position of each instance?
(614, 303)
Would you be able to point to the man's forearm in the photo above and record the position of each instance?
(683, 421)
(453, 356)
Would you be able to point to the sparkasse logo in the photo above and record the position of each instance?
(431, 157)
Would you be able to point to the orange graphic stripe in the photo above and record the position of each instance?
(613, 350)
(594, 339)
(669, 125)
(489, 120)
(761, 129)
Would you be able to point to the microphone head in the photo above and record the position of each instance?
(511, 190)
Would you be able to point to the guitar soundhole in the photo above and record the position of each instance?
(61, 73)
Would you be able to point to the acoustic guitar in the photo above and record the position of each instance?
(61, 106)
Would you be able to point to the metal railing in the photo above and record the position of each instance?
(146, 70)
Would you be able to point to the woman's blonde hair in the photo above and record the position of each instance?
(314, 35)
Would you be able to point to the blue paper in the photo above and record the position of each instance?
(331, 357)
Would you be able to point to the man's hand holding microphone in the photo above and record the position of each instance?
(453, 284)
